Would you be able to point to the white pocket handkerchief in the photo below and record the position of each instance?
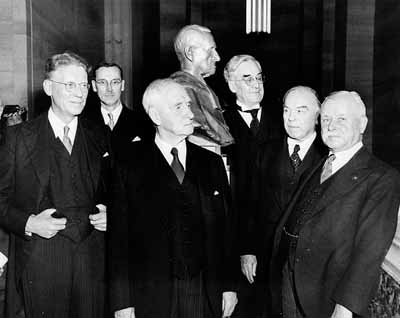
(137, 138)
(216, 192)
(106, 154)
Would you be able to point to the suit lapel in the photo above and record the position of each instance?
(36, 140)
(345, 179)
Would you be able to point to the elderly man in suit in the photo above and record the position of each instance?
(53, 176)
(197, 53)
(170, 227)
(332, 239)
(278, 167)
(126, 125)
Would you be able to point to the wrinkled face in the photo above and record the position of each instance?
(342, 125)
(205, 55)
(67, 104)
(108, 85)
(247, 83)
(172, 114)
(300, 115)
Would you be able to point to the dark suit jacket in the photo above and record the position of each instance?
(269, 194)
(139, 260)
(342, 245)
(131, 125)
(242, 154)
(24, 171)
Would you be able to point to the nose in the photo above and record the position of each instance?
(291, 115)
(189, 112)
(108, 87)
(216, 56)
(331, 125)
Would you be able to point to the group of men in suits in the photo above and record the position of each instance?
(312, 215)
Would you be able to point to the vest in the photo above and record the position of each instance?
(70, 188)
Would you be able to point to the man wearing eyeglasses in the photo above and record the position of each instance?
(53, 198)
(252, 126)
(197, 53)
(126, 125)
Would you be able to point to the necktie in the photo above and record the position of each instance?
(327, 168)
(66, 140)
(254, 124)
(110, 121)
(177, 166)
(295, 158)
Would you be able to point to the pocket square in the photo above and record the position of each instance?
(136, 139)
(106, 154)
(216, 192)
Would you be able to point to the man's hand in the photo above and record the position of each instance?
(99, 220)
(248, 263)
(229, 301)
(341, 312)
(125, 313)
(44, 225)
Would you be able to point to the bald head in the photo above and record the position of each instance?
(343, 120)
(300, 112)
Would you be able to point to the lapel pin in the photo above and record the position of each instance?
(136, 139)
(216, 192)
(106, 154)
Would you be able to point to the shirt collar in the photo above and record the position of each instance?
(115, 113)
(58, 126)
(165, 149)
(304, 144)
(245, 107)
(343, 157)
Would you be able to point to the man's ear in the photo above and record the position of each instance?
(363, 124)
(94, 87)
(154, 116)
(47, 87)
(232, 86)
(122, 85)
(188, 51)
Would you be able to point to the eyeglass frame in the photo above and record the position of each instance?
(113, 83)
(250, 80)
(71, 86)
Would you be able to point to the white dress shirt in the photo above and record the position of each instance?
(247, 116)
(115, 114)
(58, 126)
(165, 149)
(304, 145)
(344, 156)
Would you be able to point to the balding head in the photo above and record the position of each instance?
(196, 50)
(343, 120)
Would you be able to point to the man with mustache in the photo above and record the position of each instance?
(333, 237)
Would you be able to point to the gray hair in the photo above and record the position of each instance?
(303, 89)
(155, 91)
(234, 63)
(65, 59)
(352, 97)
(187, 37)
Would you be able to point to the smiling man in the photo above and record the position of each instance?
(53, 201)
(332, 239)
(197, 54)
(170, 227)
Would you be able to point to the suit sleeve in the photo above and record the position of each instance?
(118, 247)
(376, 229)
(11, 218)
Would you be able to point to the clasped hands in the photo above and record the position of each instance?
(47, 226)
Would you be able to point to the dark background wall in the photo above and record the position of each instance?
(55, 26)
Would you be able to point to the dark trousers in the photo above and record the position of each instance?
(189, 299)
(290, 304)
(64, 279)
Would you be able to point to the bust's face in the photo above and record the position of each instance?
(14, 119)
(205, 55)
